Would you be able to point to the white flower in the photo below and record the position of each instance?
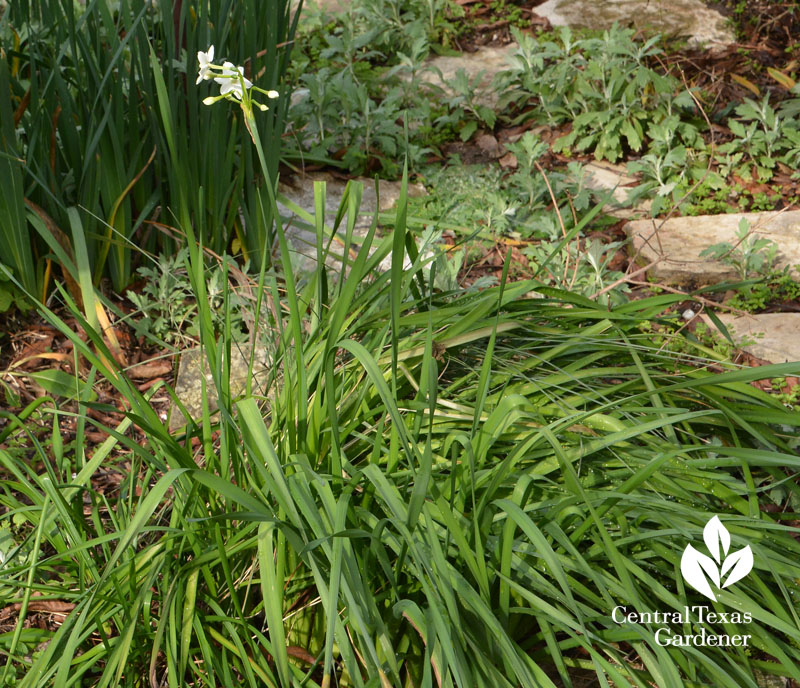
(273, 94)
(205, 60)
(230, 82)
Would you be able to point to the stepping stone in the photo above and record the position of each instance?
(765, 680)
(489, 60)
(300, 190)
(690, 18)
(188, 382)
(679, 241)
(328, 6)
(774, 337)
(602, 177)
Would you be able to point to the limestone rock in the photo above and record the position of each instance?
(300, 191)
(679, 242)
(691, 18)
(487, 59)
(774, 337)
(188, 382)
(604, 176)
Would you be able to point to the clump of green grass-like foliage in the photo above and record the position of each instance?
(448, 489)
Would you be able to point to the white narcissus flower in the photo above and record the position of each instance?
(273, 94)
(230, 82)
(205, 60)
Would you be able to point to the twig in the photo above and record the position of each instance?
(691, 190)
(693, 297)
(625, 278)
(560, 219)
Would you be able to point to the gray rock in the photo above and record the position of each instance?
(300, 190)
(489, 60)
(604, 176)
(679, 241)
(193, 367)
(765, 680)
(691, 18)
(774, 337)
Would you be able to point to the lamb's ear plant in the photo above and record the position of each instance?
(602, 85)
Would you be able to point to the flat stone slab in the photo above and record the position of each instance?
(487, 59)
(300, 190)
(679, 241)
(774, 337)
(602, 177)
(193, 367)
(328, 6)
(690, 18)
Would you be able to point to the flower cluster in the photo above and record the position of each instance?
(233, 85)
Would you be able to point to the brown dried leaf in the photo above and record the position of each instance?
(508, 161)
(150, 369)
(489, 145)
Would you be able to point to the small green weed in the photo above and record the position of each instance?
(751, 255)
(168, 308)
(777, 287)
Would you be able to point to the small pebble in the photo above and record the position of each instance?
(688, 314)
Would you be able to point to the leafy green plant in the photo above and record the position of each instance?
(777, 286)
(461, 487)
(464, 106)
(750, 255)
(101, 130)
(530, 187)
(578, 268)
(661, 175)
(791, 146)
(399, 23)
(167, 308)
(360, 121)
(758, 134)
(601, 85)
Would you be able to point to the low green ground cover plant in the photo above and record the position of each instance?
(776, 287)
(166, 307)
(618, 106)
(483, 205)
(601, 85)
